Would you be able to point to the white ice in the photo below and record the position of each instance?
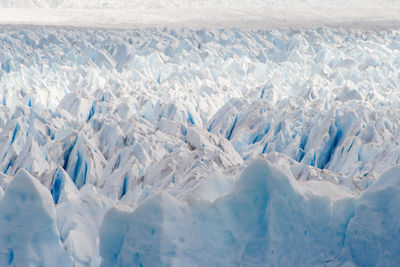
(230, 135)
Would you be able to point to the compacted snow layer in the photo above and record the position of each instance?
(181, 3)
(348, 15)
(154, 126)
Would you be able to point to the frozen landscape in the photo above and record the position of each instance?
(259, 133)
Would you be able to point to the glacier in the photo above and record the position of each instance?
(267, 219)
(28, 230)
(198, 146)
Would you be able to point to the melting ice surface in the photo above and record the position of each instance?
(199, 147)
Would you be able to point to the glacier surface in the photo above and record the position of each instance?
(267, 219)
(199, 147)
(98, 4)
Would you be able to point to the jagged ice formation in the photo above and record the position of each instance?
(199, 147)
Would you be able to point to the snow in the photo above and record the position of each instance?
(110, 4)
(230, 135)
(367, 15)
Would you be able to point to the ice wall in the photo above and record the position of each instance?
(268, 219)
(28, 231)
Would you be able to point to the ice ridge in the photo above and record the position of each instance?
(157, 125)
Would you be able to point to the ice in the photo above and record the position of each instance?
(370, 236)
(29, 235)
(287, 224)
(176, 145)
(62, 188)
(284, 225)
(78, 220)
(114, 228)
